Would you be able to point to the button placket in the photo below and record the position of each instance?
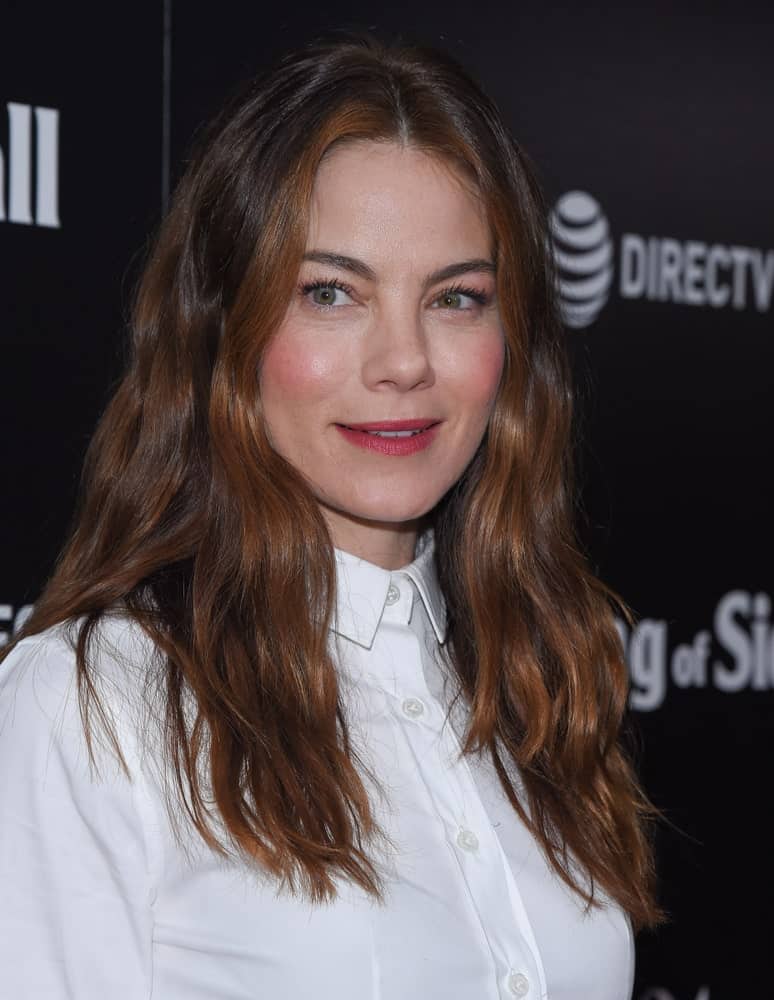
(519, 954)
(400, 646)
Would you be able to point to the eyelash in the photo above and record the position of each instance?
(478, 296)
(311, 286)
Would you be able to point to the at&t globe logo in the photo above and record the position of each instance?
(583, 251)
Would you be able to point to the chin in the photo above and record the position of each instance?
(391, 516)
(389, 512)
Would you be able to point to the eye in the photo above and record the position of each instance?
(325, 294)
(461, 298)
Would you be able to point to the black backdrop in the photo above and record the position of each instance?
(652, 133)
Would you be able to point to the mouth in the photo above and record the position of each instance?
(392, 428)
(392, 437)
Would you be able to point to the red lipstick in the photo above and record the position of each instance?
(393, 425)
(392, 437)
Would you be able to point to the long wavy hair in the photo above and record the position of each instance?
(193, 525)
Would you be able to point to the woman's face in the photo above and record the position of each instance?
(395, 322)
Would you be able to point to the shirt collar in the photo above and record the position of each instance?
(361, 592)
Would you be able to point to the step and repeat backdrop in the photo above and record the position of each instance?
(652, 133)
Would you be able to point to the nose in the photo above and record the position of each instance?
(397, 352)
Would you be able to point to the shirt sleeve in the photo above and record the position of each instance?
(76, 871)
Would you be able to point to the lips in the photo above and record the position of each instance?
(420, 424)
(392, 437)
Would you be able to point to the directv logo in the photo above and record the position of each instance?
(583, 251)
(654, 268)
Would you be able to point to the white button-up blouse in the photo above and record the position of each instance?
(105, 895)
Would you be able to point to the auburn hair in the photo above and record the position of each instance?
(199, 531)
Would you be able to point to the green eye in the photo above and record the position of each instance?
(324, 296)
(326, 293)
(461, 298)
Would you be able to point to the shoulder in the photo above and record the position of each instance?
(118, 651)
(39, 696)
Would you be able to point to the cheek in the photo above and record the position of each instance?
(296, 370)
(476, 372)
(491, 366)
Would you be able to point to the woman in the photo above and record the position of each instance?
(348, 699)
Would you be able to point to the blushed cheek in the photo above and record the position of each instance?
(495, 362)
(482, 371)
(293, 371)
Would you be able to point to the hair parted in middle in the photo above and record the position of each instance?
(208, 538)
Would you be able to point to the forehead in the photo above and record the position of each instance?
(383, 197)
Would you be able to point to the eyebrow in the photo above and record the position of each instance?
(362, 269)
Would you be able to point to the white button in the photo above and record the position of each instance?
(413, 708)
(392, 594)
(518, 984)
(467, 840)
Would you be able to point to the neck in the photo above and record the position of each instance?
(384, 544)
